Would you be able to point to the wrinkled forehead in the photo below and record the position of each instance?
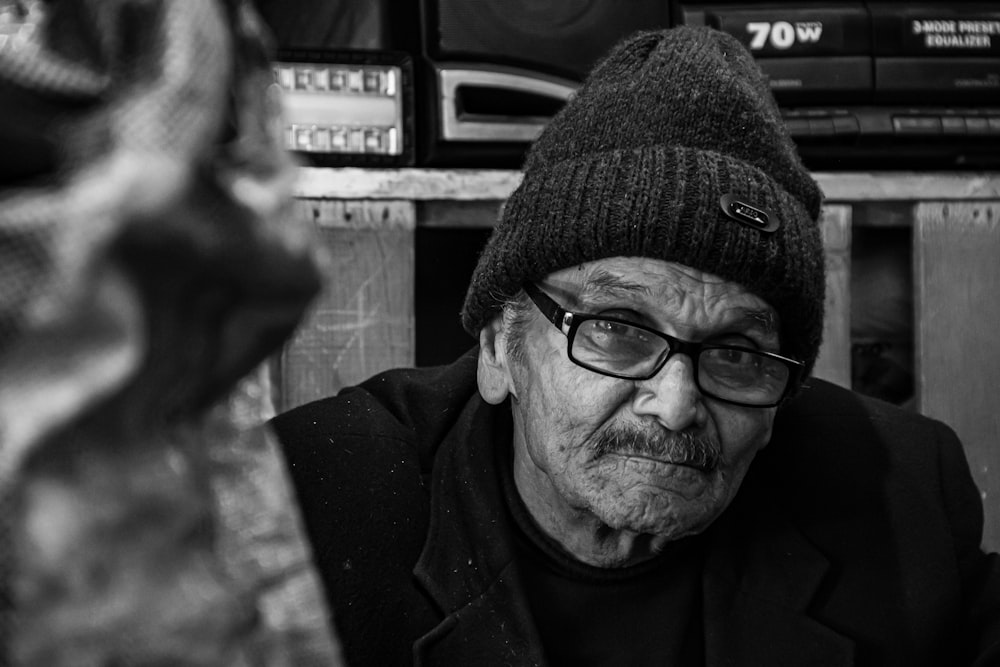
(659, 288)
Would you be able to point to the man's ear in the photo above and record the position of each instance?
(493, 373)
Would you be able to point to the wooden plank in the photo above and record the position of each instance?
(497, 184)
(413, 184)
(834, 362)
(458, 214)
(908, 186)
(957, 283)
(382, 214)
(362, 323)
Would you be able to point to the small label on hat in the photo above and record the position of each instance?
(748, 214)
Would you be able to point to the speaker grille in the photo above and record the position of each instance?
(563, 37)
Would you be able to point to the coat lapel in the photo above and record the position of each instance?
(760, 576)
(466, 566)
(494, 629)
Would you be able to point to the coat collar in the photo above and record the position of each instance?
(760, 576)
(760, 573)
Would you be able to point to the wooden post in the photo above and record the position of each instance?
(957, 283)
(834, 362)
(363, 321)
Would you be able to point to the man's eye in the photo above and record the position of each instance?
(617, 339)
(736, 357)
(622, 334)
(617, 328)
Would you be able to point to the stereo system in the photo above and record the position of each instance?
(876, 84)
(862, 84)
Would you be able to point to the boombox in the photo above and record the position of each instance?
(876, 84)
(861, 84)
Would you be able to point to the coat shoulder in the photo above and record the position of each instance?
(360, 464)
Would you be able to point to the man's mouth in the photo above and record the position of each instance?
(705, 467)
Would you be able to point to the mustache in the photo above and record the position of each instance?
(683, 448)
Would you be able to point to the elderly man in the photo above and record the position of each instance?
(632, 468)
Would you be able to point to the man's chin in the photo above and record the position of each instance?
(672, 520)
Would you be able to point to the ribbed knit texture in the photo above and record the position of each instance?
(635, 165)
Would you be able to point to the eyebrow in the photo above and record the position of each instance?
(603, 284)
(764, 320)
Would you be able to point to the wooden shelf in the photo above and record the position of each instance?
(496, 184)
(406, 184)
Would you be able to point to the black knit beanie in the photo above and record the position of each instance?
(672, 149)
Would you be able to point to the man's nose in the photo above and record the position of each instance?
(672, 396)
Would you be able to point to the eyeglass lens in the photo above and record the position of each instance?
(730, 373)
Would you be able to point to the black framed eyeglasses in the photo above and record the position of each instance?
(621, 349)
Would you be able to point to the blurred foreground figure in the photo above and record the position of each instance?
(145, 270)
(634, 466)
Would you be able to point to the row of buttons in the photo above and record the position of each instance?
(980, 125)
(840, 124)
(320, 139)
(325, 78)
(823, 127)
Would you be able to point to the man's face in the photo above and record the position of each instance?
(652, 456)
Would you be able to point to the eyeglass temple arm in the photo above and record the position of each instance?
(552, 311)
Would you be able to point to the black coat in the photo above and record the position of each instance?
(854, 540)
